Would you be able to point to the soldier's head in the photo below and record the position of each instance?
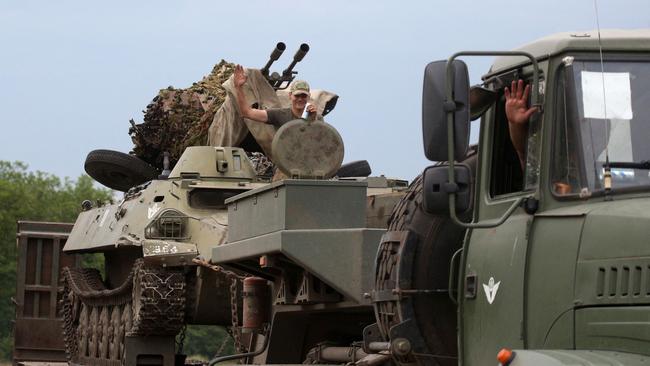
(299, 94)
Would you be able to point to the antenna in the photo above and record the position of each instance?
(607, 175)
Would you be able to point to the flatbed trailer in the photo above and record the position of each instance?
(37, 329)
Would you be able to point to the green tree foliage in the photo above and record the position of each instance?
(36, 196)
(204, 342)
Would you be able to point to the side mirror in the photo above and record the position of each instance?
(436, 188)
(435, 107)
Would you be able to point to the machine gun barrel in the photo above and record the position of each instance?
(275, 55)
(300, 54)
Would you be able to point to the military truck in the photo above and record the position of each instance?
(551, 264)
(485, 259)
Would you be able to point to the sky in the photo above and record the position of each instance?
(72, 73)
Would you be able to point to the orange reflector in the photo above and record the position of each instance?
(505, 356)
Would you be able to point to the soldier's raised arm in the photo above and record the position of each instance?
(239, 79)
(518, 114)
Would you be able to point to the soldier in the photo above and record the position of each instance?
(299, 95)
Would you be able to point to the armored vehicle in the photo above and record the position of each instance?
(486, 259)
(156, 240)
(154, 284)
(149, 239)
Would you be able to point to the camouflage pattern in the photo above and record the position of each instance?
(299, 87)
(179, 118)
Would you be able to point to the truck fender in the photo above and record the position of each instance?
(576, 357)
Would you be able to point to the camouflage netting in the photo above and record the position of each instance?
(178, 118)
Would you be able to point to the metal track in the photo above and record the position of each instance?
(95, 320)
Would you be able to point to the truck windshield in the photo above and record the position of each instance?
(601, 115)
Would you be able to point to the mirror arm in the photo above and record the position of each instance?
(481, 224)
(450, 133)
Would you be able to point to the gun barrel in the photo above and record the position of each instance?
(302, 51)
(300, 54)
(275, 54)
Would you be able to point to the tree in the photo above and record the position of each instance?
(204, 342)
(36, 196)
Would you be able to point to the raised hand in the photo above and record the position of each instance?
(240, 76)
(517, 110)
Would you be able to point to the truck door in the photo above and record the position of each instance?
(38, 327)
(493, 279)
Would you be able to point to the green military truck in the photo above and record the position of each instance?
(553, 261)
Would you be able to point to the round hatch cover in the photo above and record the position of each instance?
(307, 149)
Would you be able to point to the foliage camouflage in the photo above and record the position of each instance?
(178, 118)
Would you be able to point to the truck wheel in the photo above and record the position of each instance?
(429, 318)
(117, 170)
(358, 168)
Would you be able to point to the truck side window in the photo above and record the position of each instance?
(565, 170)
(507, 175)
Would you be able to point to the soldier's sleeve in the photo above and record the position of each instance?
(273, 116)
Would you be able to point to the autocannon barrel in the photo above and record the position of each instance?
(275, 54)
(300, 54)
(302, 51)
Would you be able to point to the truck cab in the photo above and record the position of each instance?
(556, 256)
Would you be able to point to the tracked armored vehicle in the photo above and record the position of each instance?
(155, 241)
(152, 287)
(149, 239)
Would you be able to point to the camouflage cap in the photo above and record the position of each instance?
(299, 87)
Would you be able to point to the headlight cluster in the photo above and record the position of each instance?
(169, 224)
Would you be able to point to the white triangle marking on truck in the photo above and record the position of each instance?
(491, 290)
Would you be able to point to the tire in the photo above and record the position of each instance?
(436, 239)
(117, 170)
(359, 168)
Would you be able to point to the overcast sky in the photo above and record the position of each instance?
(72, 73)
